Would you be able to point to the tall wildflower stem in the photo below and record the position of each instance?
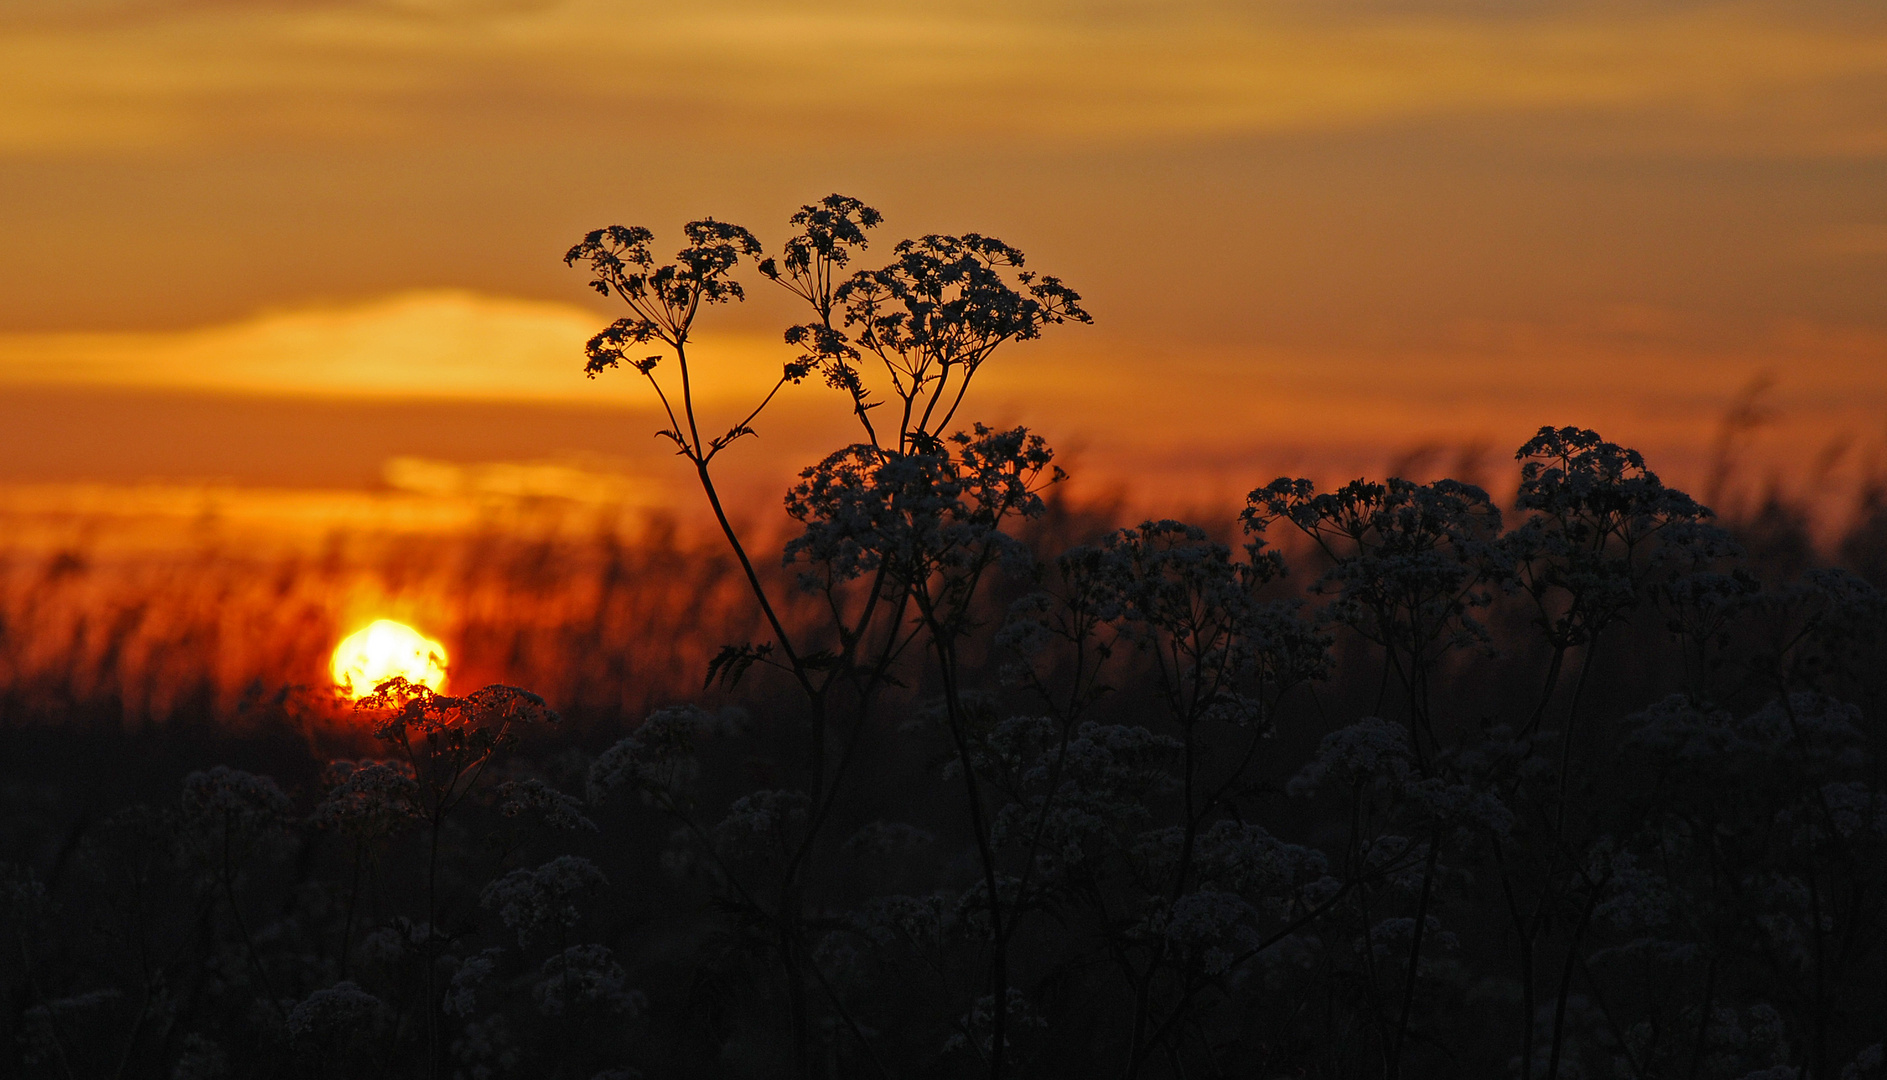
(235, 915)
(1820, 1065)
(943, 640)
(1703, 1021)
(1551, 683)
(713, 495)
(353, 897)
(1566, 737)
(1565, 981)
(428, 953)
(1524, 933)
(1415, 956)
(52, 1016)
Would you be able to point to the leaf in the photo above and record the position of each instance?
(733, 661)
(823, 660)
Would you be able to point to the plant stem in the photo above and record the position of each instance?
(1415, 956)
(431, 1004)
(347, 926)
(235, 914)
(1565, 981)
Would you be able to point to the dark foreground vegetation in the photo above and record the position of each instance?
(1393, 781)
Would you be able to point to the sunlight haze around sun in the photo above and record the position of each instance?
(383, 650)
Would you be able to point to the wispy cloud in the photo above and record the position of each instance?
(1192, 421)
(441, 345)
(161, 74)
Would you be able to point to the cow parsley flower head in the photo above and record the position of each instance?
(538, 902)
(584, 975)
(368, 799)
(480, 722)
(1372, 751)
(921, 923)
(1867, 1065)
(761, 823)
(201, 1059)
(462, 995)
(401, 939)
(223, 795)
(937, 507)
(1392, 938)
(656, 761)
(1208, 927)
(1238, 857)
(1854, 809)
(1817, 732)
(486, 1048)
(1409, 560)
(881, 838)
(550, 806)
(341, 1008)
(22, 895)
(978, 1025)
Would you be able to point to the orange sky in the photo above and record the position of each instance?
(297, 243)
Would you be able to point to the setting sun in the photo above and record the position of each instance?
(384, 649)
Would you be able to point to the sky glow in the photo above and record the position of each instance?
(1311, 233)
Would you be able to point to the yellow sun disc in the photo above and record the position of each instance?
(384, 649)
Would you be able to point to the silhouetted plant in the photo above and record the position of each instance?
(1003, 790)
(447, 743)
(914, 512)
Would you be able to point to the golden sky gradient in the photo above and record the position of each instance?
(169, 75)
(1317, 235)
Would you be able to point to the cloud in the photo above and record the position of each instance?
(156, 75)
(578, 479)
(447, 345)
(470, 397)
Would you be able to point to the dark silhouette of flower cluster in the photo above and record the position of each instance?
(1390, 785)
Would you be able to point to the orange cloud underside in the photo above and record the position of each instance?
(1176, 429)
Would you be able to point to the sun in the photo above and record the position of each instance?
(383, 649)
